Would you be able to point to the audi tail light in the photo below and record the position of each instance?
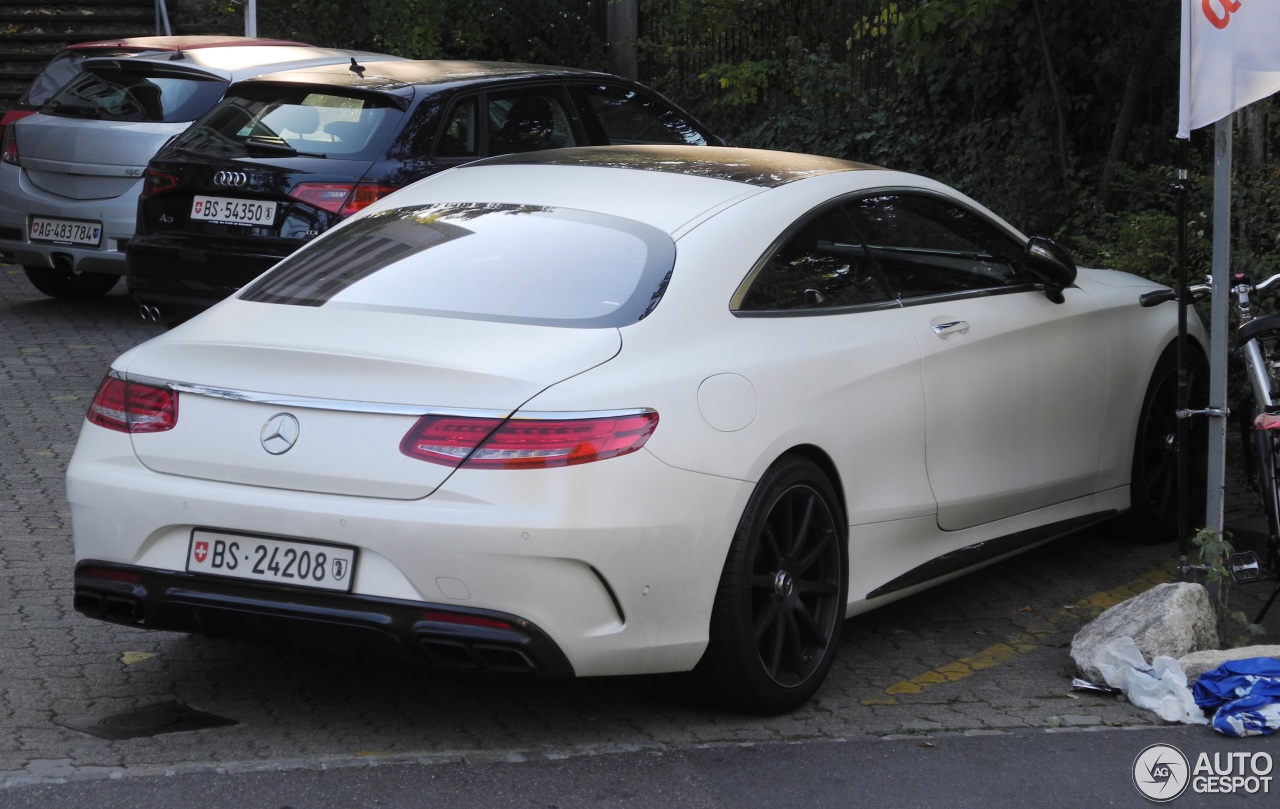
(343, 199)
(155, 183)
(132, 407)
(525, 443)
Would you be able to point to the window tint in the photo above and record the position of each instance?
(528, 122)
(926, 245)
(823, 265)
(461, 134)
(117, 94)
(293, 122)
(482, 261)
(629, 117)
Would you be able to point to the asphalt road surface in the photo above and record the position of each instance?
(960, 696)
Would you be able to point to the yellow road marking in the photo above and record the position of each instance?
(1026, 640)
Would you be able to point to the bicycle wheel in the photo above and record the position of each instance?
(1153, 494)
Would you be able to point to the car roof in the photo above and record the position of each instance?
(756, 167)
(669, 187)
(238, 62)
(389, 76)
(176, 43)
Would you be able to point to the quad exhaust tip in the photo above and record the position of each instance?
(149, 313)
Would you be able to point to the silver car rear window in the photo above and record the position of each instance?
(61, 69)
(117, 93)
(482, 261)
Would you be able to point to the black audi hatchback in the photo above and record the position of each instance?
(286, 156)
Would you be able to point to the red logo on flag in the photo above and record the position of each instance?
(202, 551)
(1216, 19)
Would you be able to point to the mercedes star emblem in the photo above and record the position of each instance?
(280, 433)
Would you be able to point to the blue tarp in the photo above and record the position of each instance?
(1244, 696)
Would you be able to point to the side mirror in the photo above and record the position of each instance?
(1052, 264)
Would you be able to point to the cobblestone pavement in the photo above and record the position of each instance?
(985, 654)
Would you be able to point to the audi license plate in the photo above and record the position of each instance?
(278, 561)
(65, 231)
(227, 211)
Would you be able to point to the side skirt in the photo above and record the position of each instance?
(980, 552)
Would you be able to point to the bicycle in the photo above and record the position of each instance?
(1257, 339)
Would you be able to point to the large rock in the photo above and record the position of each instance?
(1197, 663)
(1172, 620)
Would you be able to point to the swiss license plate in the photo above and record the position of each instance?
(228, 211)
(279, 561)
(65, 231)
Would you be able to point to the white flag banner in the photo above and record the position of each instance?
(1230, 58)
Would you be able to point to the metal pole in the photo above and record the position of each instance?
(1183, 413)
(1218, 330)
(162, 19)
(251, 18)
(623, 23)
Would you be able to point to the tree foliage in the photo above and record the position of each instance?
(555, 32)
(1059, 115)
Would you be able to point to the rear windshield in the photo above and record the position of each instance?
(122, 93)
(60, 70)
(295, 121)
(482, 261)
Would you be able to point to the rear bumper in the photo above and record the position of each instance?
(20, 201)
(615, 562)
(443, 636)
(165, 271)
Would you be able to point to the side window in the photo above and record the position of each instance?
(628, 117)
(528, 122)
(823, 265)
(460, 136)
(926, 245)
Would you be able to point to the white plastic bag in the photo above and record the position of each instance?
(1160, 686)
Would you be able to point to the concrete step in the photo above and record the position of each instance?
(30, 34)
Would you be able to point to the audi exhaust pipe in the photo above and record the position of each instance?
(150, 313)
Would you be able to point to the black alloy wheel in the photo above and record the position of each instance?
(776, 620)
(1154, 495)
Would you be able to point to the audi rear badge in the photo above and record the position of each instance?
(232, 179)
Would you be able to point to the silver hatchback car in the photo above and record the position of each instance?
(70, 175)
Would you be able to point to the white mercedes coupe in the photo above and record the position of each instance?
(624, 410)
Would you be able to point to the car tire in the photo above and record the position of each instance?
(69, 285)
(780, 604)
(1153, 490)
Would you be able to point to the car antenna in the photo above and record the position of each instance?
(177, 56)
(356, 68)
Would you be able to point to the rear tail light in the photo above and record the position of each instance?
(523, 443)
(155, 183)
(9, 118)
(343, 199)
(132, 407)
(9, 151)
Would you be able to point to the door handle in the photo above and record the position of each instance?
(953, 327)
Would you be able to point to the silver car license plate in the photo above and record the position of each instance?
(278, 561)
(228, 211)
(65, 231)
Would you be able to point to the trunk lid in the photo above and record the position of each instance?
(349, 385)
(84, 159)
